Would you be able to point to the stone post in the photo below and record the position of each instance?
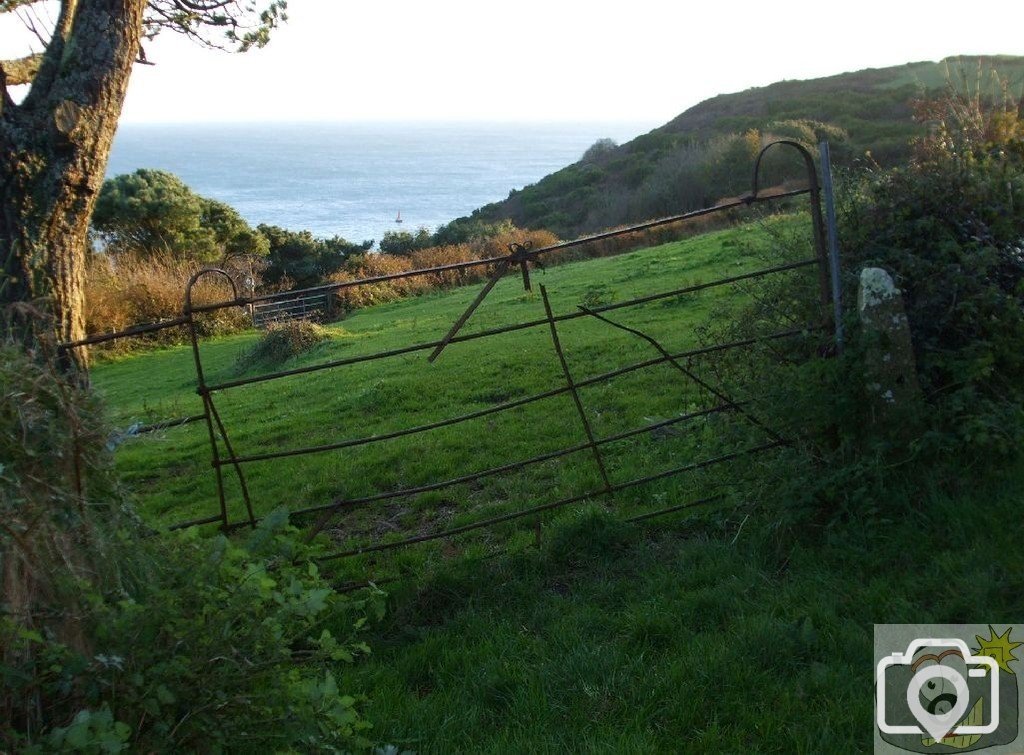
(889, 363)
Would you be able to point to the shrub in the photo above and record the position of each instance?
(950, 229)
(283, 341)
(600, 150)
(112, 641)
(125, 291)
(404, 242)
(223, 645)
(464, 230)
(377, 265)
(300, 259)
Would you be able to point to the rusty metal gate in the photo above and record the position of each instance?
(225, 460)
(315, 307)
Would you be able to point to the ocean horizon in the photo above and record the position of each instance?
(354, 179)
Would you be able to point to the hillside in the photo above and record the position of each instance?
(588, 633)
(705, 153)
(660, 509)
(475, 375)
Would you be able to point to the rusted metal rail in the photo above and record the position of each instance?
(519, 258)
(531, 256)
(615, 488)
(509, 328)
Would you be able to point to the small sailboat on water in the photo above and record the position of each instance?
(398, 218)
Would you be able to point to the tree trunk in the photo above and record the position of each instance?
(53, 155)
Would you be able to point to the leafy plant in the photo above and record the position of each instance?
(222, 644)
(113, 641)
(949, 228)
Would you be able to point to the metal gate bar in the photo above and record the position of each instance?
(615, 488)
(688, 373)
(512, 466)
(511, 328)
(518, 256)
(571, 386)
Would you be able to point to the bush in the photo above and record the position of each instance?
(112, 641)
(299, 259)
(376, 265)
(223, 645)
(950, 229)
(283, 341)
(404, 242)
(126, 291)
(600, 150)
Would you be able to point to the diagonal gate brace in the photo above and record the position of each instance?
(689, 373)
(518, 254)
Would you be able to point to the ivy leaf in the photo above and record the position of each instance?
(77, 735)
(164, 695)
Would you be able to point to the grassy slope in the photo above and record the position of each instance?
(686, 637)
(873, 106)
(170, 469)
(678, 634)
(876, 100)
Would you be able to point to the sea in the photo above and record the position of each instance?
(356, 180)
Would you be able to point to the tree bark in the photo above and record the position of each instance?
(53, 155)
(22, 70)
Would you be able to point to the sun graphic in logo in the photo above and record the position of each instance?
(998, 647)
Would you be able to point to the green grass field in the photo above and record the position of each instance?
(170, 470)
(685, 635)
(716, 631)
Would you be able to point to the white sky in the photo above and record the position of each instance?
(543, 60)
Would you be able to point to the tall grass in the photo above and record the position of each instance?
(123, 291)
(376, 265)
(55, 489)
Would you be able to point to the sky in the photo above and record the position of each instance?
(541, 60)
